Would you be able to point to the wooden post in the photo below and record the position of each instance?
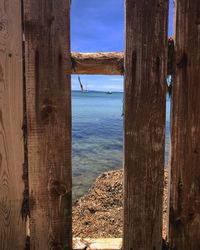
(12, 225)
(48, 95)
(145, 98)
(185, 183)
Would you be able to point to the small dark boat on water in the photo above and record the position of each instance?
(109, 93)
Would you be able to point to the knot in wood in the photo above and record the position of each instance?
(58, 188)
(3, 29)
(47, 112)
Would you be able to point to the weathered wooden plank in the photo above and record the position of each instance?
(145, 75)
(185, 183)
(12, 225)
(48, 94)
(97, 244)
(109, 63)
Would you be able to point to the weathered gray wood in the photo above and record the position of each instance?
(12, 226)
(145, 75)
(48, 94)
(185, 184)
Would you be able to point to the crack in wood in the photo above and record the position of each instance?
(25, 210)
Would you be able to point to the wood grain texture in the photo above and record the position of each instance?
(107, 63)
(145, 75)
(185, 184)
(12, 226)
(48, 88)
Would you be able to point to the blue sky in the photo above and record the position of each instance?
(98, 25)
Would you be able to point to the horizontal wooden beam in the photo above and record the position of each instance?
(108, 63)
(97, 244)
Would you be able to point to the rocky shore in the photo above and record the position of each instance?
(99, 214)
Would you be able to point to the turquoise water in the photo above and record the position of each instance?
(97, 136)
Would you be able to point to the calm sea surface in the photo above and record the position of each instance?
(97, 136)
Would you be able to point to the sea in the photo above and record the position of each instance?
(97, 130)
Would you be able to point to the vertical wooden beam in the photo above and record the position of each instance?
(145, 75)
(185, 185)
(48, 94)
(12, 225)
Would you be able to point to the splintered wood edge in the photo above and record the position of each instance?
(97, 244)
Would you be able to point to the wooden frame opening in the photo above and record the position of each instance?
(35, 105)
